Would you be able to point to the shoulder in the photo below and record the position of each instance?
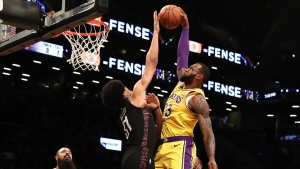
(179, 84)
(195, 91)
(196, 97)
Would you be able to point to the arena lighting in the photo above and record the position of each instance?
(277, 82)
(95, 81)
(7, 74)
(175, 64)
(228, 102)
(27, 75)
(16, 65)
(293, 115)
(164, 91)
(55, 68)
(156, 87)
(255, 66)
(228, 109)
(38, 62)
(160, 95)
(289, 90)
(170, 40)
(295, 106)
(270, 115)
(234, 106)
(293, 55)
(143, 50)
(75, 87)
(109, 77)
(5, 68)
(23, 79)
(297, 122)
(213, 67)
(209, 109)
(79, 83)
(206, 98)
(77, 73)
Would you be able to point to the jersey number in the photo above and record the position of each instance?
(168, 110)
(127, 127)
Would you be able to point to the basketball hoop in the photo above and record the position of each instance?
(86, 41)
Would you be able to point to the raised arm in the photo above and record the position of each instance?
(183, 46)
(139, 90)
(199, 105)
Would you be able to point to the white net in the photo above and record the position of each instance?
(86, 46)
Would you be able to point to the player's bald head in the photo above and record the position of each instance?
(64, 154)
(62, 149)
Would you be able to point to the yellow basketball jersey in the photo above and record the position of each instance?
(178, 119)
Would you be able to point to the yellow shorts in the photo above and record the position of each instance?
(175, 155)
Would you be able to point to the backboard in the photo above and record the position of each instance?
(43, 25)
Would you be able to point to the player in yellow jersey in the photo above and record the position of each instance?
(154, 103)
(185, 107)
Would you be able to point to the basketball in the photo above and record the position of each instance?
(90, 59)
(170, 17)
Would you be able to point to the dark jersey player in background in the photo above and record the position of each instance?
(135, 117)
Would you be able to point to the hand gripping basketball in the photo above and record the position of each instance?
(156, 22)
(184, 20)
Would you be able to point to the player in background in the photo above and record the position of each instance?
(64, 159)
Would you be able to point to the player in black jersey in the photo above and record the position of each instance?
(135, 117)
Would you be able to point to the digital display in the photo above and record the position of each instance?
(250, 95)
(163, 75)
(269, 96)
(137, 69)
(129, 28)
(46, 48)
(232, 91)
(111, 144)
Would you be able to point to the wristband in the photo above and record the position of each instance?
(211, 157)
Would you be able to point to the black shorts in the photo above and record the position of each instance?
(134, 158)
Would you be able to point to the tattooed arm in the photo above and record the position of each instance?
(199, 105)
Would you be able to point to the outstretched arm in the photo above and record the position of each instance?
(199, 105)
(139, 90)
(183, 46)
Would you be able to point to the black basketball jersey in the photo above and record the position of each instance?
(138, 125)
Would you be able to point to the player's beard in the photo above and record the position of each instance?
(187, 79)
(64, 164)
